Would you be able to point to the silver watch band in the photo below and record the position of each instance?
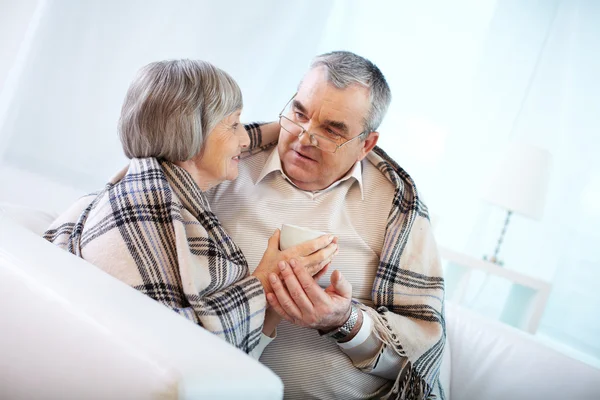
(344, 330)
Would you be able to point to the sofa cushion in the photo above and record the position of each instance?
(33, 219)
(494, 361)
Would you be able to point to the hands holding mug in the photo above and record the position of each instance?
(313, 253)
(294, 292)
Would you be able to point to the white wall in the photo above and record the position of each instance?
(14, 22)
(61, 120)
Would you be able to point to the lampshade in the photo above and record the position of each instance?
(520, 180)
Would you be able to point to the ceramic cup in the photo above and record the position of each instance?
(292, 235)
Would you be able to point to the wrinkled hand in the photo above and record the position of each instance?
(299, 299)
(314, 256)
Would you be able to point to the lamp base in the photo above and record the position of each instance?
(494, 260)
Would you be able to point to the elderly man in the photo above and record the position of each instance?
(376, 324)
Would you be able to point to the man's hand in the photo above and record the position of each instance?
(301, 300)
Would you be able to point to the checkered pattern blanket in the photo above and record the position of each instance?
(408, 291)
(152, 228)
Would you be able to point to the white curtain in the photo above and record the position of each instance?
(467, 77)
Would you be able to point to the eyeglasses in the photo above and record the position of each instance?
(328, 144)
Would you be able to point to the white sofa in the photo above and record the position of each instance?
(69, 331)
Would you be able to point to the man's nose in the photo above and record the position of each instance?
(305, 140)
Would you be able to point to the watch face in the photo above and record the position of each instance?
(339, 335)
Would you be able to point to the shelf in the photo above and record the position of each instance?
(526, 301)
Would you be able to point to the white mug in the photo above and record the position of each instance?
(292, 235)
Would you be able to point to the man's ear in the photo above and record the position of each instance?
(368, 144)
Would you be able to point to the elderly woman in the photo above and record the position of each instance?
(152, 227)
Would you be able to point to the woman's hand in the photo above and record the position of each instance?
(272, 319)
(313, 255)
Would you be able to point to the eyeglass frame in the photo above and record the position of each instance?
(312, 135)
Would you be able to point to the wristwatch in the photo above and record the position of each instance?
(344, 330)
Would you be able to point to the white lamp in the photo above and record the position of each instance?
(519, 184)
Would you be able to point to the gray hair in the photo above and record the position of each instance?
(345, 68)
(171, 107)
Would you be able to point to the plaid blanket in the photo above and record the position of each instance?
(408, 290)
(152, 228)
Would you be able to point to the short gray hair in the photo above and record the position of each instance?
(171, 107)
(345, 68)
